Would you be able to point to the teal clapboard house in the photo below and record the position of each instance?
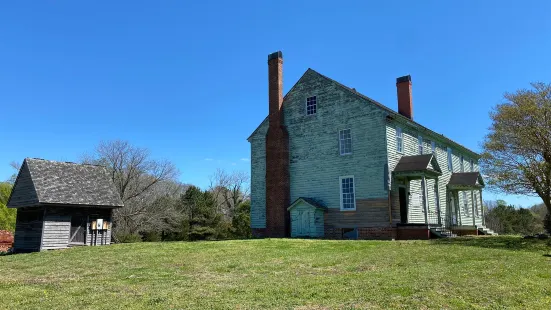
(329, 162)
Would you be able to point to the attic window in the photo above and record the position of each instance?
(311, 105)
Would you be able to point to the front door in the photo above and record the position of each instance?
(78, 229)
(403, 205)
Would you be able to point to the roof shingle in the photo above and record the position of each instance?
(71, 184)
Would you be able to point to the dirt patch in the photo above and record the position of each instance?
(6, 240)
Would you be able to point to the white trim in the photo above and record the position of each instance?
(353, 193)
(340, 149)
(306, 106)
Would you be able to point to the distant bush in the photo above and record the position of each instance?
(128, 238)
(151, 236)
(7, 216)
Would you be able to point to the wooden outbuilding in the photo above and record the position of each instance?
(62, 204)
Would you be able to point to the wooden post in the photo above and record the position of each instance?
(437, 201)
(425, 206)
(472, 205)
(482, 209)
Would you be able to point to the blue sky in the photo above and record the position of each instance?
(188, 80)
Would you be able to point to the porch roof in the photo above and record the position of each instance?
(466, 181)
(417, 166)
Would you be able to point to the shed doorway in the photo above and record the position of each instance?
(303, 223)
(78, 230)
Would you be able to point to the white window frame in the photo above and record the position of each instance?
(315, 105)
(353, 192)
(344, 140)
(450, 159)
(420, 144)
(399, 140)
(433, 147)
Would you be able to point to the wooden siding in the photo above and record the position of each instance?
(316, 222)
(315, 161)
(258, 177)
(369, 213)
(23, 193)
(416, 211)
(28, 229)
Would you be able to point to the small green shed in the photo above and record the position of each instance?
(307, 218)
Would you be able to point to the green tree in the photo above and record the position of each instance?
(7, 216)
(200, 211)
(517, 151)
(241, 221)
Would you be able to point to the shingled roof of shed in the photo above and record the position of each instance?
(50, 182)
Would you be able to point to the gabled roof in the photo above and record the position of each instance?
(309, 201)
(425, 162)
(466, 180)
(392, 113)
(42, 182)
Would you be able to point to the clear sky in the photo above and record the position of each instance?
(188, 79)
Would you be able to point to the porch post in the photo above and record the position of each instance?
(457, 206)
(437, 201)
(482, 209)
(472, 206)
(424, 188)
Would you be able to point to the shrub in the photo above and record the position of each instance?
(128, 238)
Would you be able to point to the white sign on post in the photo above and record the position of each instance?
(99, 224)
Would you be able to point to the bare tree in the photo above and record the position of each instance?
(140, 181)
(15, 165)
(229, 190)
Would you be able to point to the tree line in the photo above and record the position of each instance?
(156, 205)
(504, 218)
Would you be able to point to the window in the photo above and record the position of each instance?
(450, 163)
(311, 105)
(433, 147)
(348, 199)
(420, 143)
(472, 166)
(465, 205)
(399, 140)
(345, 142)
(461, 164)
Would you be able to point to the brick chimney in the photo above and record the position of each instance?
(277, 154)
(405, 103)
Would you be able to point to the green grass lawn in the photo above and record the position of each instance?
(491, 272)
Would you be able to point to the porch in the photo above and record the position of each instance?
(413, 176)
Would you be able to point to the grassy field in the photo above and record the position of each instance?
(492, 272)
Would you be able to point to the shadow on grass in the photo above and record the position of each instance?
(512, 243)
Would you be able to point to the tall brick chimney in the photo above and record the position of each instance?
(405, 103)
(277, 154)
